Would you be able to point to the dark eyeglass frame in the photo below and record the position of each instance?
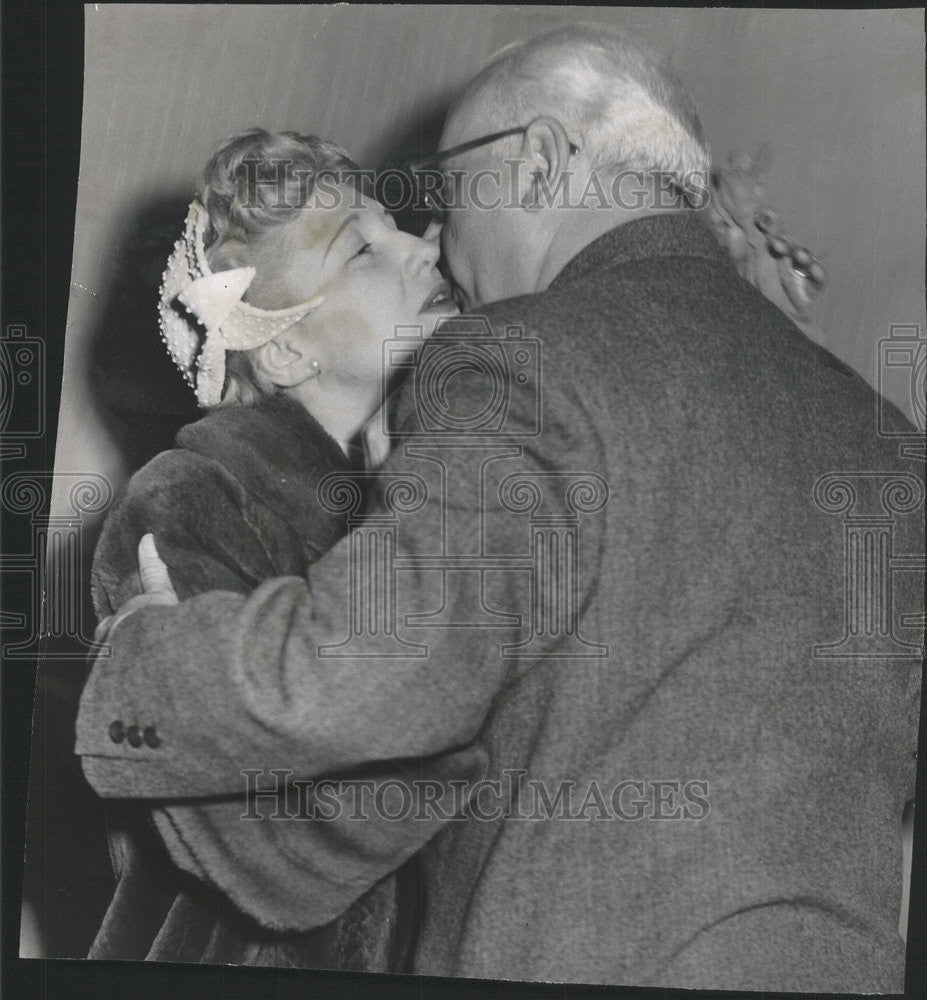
(437, 158)
(413, 167)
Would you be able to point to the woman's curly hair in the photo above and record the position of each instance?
(254, 181)
(258, 179)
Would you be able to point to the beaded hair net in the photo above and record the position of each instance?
(202, 314)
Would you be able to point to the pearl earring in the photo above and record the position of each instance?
(316, 369)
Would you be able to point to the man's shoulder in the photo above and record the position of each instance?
(652, 336)
(620, 322)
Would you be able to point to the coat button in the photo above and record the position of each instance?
(151, 738)
(134, 736)
(117, 731)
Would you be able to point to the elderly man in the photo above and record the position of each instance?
(624, 577)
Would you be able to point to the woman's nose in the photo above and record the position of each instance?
(423, 253)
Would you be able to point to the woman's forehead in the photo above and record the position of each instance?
(330, 211)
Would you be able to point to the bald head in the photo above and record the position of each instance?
(625, 110)
(586, 112)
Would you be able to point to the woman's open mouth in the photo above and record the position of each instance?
(440, 299)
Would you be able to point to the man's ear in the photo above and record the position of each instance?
(286, 360)
(545, 149)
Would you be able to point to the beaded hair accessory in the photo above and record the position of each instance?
(202, 314)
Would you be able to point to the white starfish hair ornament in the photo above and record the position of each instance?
(202, 315)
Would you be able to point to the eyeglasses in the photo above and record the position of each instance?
(426, 183)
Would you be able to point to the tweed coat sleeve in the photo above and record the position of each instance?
(274, 683)
(291, 872)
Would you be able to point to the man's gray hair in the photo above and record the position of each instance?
(623, 108)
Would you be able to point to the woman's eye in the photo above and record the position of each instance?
(364, 249)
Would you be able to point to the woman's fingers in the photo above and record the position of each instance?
(808, 267)
(763, 250)
(767, 221)
(156, 589)
(155, 578)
